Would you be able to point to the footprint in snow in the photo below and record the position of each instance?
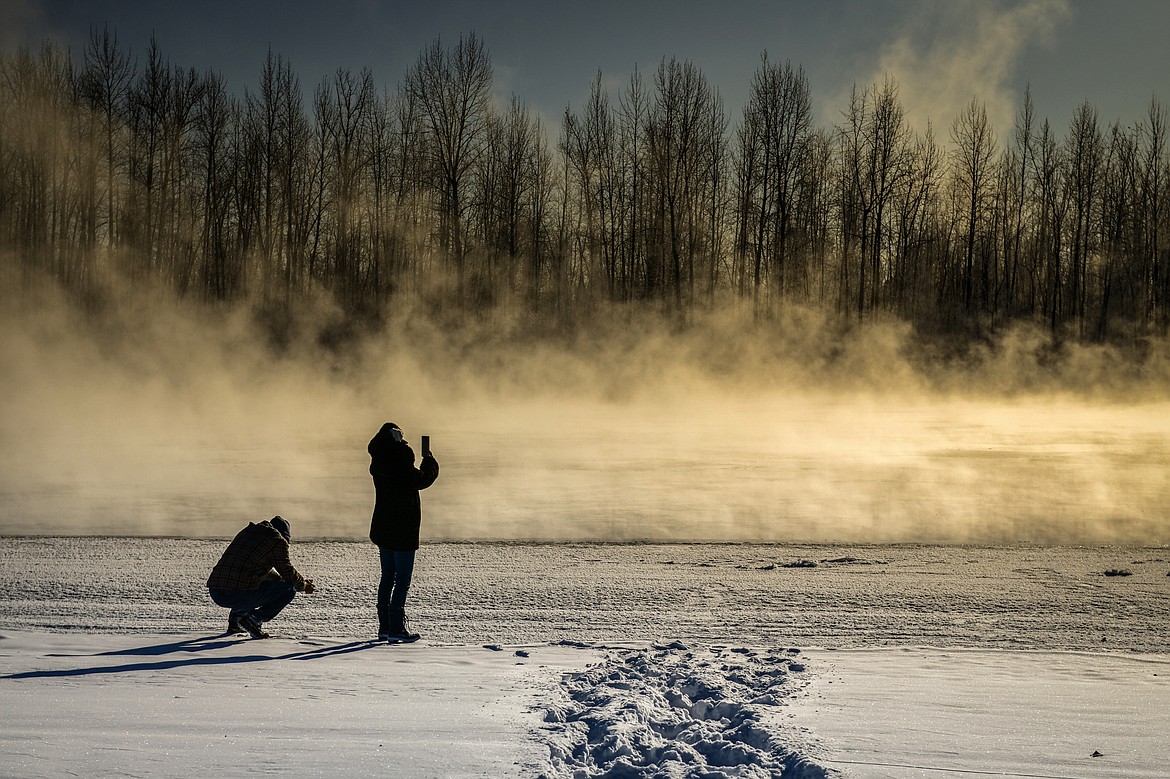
(673, 710)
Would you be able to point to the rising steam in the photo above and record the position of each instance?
(175, 420)
(948, 53)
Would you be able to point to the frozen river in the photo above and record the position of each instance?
(1044, 598)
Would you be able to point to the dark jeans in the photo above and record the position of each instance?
(264, 603)
(397, 569)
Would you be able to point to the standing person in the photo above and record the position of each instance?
(394, 526)
(255, 578)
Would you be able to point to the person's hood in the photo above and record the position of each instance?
(280, 525)
(386, 439)
(389, 451)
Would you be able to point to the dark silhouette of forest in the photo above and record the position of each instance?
(123, 172)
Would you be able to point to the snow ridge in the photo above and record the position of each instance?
(670, 712)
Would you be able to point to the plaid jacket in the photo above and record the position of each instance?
(252, 557)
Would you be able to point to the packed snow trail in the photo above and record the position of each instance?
(673, 711)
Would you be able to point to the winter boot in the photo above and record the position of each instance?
(383, 623)
(398, 629)
(251, 623)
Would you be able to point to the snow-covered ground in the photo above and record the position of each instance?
(593, 660)
(925, 713)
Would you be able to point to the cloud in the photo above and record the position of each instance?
(949, 52)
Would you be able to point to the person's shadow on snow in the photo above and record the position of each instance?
(188, 645)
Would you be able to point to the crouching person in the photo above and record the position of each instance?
(255, 579)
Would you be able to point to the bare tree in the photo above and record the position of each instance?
(874, 143)
(180, 204)
(1118, 286)
(1050, 175)
(679, 139)
(343, 106)
(149, 114)
(453, 89)
(974, 149)
(378, 197)
(915, 216)
(412, 185)
(594, 147)
(633, 109)
(107, 78)
(215, 115)
(1154, 248)
(773, 140)
(519, 172)
(1024, 143)
(1085, 152)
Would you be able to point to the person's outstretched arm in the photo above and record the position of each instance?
(427, 471)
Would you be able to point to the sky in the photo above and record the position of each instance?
(1111, 53)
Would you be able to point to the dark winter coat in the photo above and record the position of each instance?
(253, 555)
(397, 508)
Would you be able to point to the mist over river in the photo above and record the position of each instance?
(167, 421)
(781, 468)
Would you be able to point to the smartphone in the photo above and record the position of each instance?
(426, 444)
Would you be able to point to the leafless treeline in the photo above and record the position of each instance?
(429, 192)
